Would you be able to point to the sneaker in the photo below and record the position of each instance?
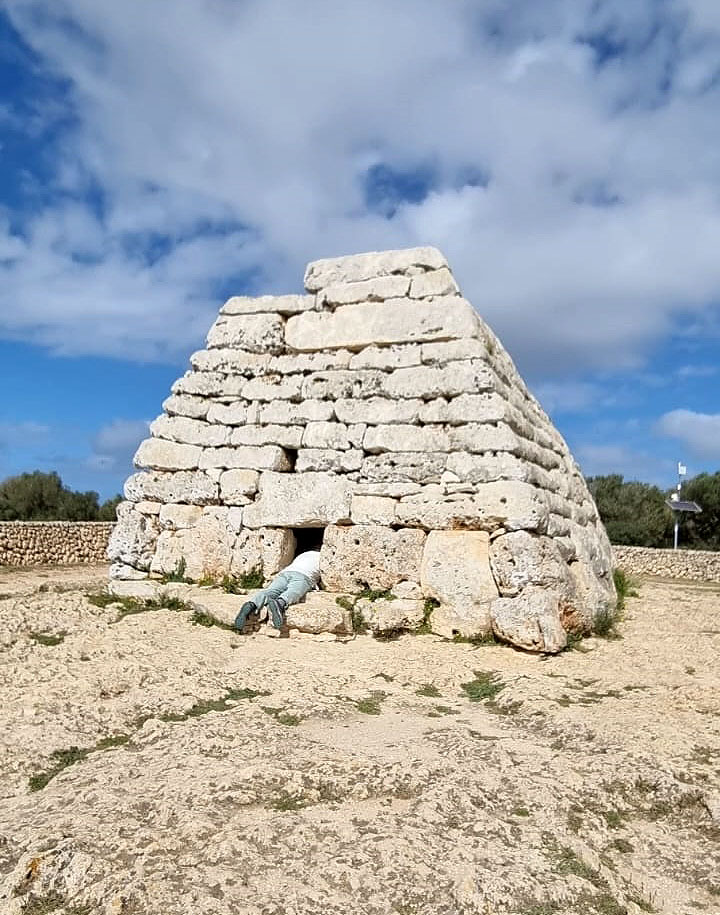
(277, 607)
(245, 611)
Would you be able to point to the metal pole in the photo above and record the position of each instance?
(676, 533)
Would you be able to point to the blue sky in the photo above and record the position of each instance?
(564, 154)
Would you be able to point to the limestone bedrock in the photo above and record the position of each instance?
(380, 409)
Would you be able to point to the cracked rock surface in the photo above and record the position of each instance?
(178, 768)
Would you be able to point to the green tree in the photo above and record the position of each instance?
(108, 510)
(702, 531)
(633, 513)
(41, 496)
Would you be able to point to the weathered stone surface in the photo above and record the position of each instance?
(401, 467)
(405, 437)
(258, 333)
(280, 304)
(194, 487)
(176, 517)
(530, 621)
(299, 500)
(386, 357)
(511, 505)
(433, 283)
(374, 290)
(305, 411)
(189, 431)
(274, 434)
(326, 435)
(133, 539)
(453, 351)
(230, 361)
(427, 382)
(456, 571)
(378, 410)
(372, 510)
(466, 408)
(273, 387)
(519, 559)
(186, 405)
(358, 267)
(395, 321)
(209, 384)
(237, 486)
(232, 414)
(267, 550)
(398, 614)
(247, 457)
(369, 556)
(310, 362)
(325, 459)
(158, 454)
(319, 613)
(342, 384)
(206, 547)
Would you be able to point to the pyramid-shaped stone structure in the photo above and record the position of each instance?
(379, 416)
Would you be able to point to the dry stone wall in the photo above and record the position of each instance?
(27, 543)
(694, 565)
(381, 408)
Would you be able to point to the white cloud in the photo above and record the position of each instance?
(115, 444)
(597, 227)
(698, 432)
(17, 435)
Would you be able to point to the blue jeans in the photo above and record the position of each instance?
(290, 586)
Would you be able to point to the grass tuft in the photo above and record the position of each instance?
(370, 705)
(430, 605)
(178, 575)
(486, 685)
(429, 689)
(47, 638)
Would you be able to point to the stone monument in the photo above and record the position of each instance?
(378, 419)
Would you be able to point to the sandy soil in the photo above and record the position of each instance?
(220, 773)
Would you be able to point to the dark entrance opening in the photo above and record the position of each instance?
(308, 538)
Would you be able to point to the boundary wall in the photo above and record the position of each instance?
(30, 543)
(24, 543)
(693, 565)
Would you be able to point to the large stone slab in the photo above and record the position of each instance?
(456, 572)
(246, 457)
(319, 612)
(190, 431)
(267, 550)
(192, 486)
(358, 267)
(394, 321)
(133, 539)
(158, 454)
(391, 615)
(427, 382)
(374, 290)
(378, 410)
(433, 283)
(369, 556)
(206, 548)
(258, 333)
(530, 621)
(299, 500)
(280, 304)
(328, 460)
(519, 559)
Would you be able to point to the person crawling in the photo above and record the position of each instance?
(288, 587)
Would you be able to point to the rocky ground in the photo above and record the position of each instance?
(152, 765)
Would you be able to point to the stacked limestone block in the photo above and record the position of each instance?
(380, 407)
